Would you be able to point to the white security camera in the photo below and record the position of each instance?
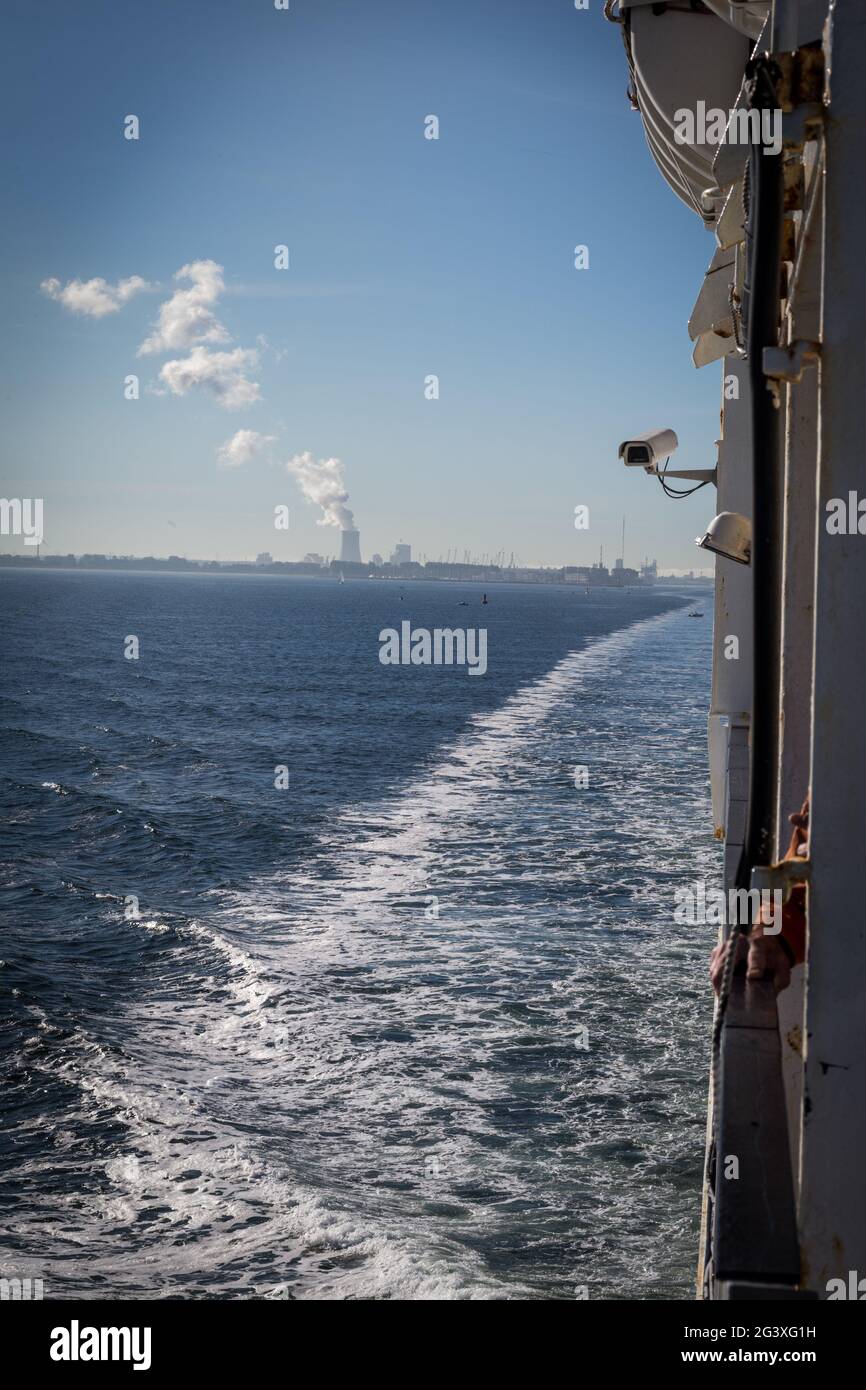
(647, 451)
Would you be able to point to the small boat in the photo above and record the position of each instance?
(696, 614)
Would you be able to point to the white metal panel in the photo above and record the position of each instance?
(713, 305)
(798, 589)
(833, 1189)
(731, 227)
(710, 346)
(732, 674)
(748, 17)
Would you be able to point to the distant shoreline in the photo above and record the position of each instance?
(565, 576)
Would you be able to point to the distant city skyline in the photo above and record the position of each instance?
(226, 296)
(349, 551)
(398, 558)
(13, 545)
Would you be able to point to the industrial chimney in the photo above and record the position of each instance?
(350, 547)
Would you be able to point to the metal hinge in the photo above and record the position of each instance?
(800, 78)
(783, 877)
(789, 363)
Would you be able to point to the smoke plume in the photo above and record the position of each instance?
(321, 481)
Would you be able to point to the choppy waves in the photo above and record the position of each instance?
(455, 1050)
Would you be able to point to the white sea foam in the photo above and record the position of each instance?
(380, 1082)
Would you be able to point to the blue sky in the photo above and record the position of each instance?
(408, 257)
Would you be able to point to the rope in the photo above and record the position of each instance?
(725, 986)
(736, 319)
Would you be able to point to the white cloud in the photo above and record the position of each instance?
(243, 447)
(186, 318)
(96, 297)
(185, 322)
(220, 373)
(322, 481)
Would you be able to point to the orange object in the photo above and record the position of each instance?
(793, 934)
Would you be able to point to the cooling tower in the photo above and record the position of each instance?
(350, 547)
